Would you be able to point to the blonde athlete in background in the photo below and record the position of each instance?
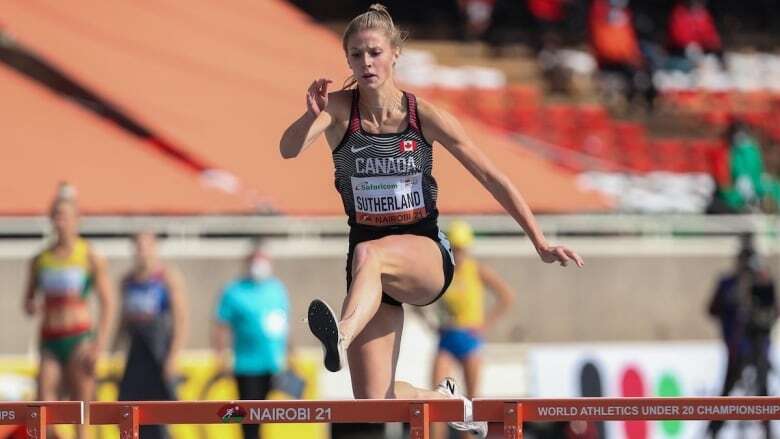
(463, 321)
(64, 275)
(381, 139)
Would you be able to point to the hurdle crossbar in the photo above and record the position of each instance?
(513, 412)
(129, 415)
(37, 416)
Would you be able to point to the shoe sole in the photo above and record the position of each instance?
(324, 326)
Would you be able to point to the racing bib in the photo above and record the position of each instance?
(388, 200)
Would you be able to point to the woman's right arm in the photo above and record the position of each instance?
(32, 286)
(311, 124)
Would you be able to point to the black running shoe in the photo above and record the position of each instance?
(324, 325)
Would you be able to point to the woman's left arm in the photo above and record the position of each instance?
(178, 299)
(505, 295)
(442, 127)
(106, 298)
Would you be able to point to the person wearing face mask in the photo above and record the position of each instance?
(382, 140)
(253, 311)
(154, 319)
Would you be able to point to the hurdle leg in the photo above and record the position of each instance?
(513, 420)
(36, 422)
(420, 421)
(128, 424)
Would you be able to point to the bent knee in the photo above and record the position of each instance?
(367, 252)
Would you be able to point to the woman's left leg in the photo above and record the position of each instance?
(472, 368)
(80, 379)
(408, 268)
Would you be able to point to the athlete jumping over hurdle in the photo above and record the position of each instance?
(381, 139)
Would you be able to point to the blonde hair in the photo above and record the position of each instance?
(376, 18)
(66, 194)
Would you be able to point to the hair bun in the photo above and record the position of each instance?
(66, 191)
(379, 7)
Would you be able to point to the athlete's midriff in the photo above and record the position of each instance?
(64, 316)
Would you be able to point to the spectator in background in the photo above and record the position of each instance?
(744, 191)
(463, 321)
(64, 275)
(744, 303)
(154, 317)
(616, 49)
(549, 17)
(477, 15)
(253, 311)
(691, 32)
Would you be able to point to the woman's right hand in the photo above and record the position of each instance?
(317, 96)
(30, 306)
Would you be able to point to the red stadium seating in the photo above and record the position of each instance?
(631, 145)
(670, 154)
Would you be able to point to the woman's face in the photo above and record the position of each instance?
(145, 248)
(65, 219)
(371, 58)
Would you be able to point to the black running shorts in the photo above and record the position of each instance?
(427, 228)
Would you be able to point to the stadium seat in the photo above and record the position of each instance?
(670, 154)
(631, 145)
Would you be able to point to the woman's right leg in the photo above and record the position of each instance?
(443, 366)
(49, 377)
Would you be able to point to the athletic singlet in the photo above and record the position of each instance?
(144, 300)
(65, 284)
(463, 302)
(385, 180)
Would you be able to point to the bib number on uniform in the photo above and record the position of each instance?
(388, 200)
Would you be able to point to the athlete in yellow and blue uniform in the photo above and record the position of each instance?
(463, 319)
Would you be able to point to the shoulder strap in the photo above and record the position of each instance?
(414, 120)
(354, 114)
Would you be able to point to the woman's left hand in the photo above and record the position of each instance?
(170, 367)
(561, 254)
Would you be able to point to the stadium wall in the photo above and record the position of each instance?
(631, 289)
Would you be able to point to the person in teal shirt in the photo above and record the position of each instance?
(253, 310)
(751, 188)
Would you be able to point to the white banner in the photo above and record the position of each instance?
(638, 369)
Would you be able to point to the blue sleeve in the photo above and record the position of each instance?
(224, 311)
